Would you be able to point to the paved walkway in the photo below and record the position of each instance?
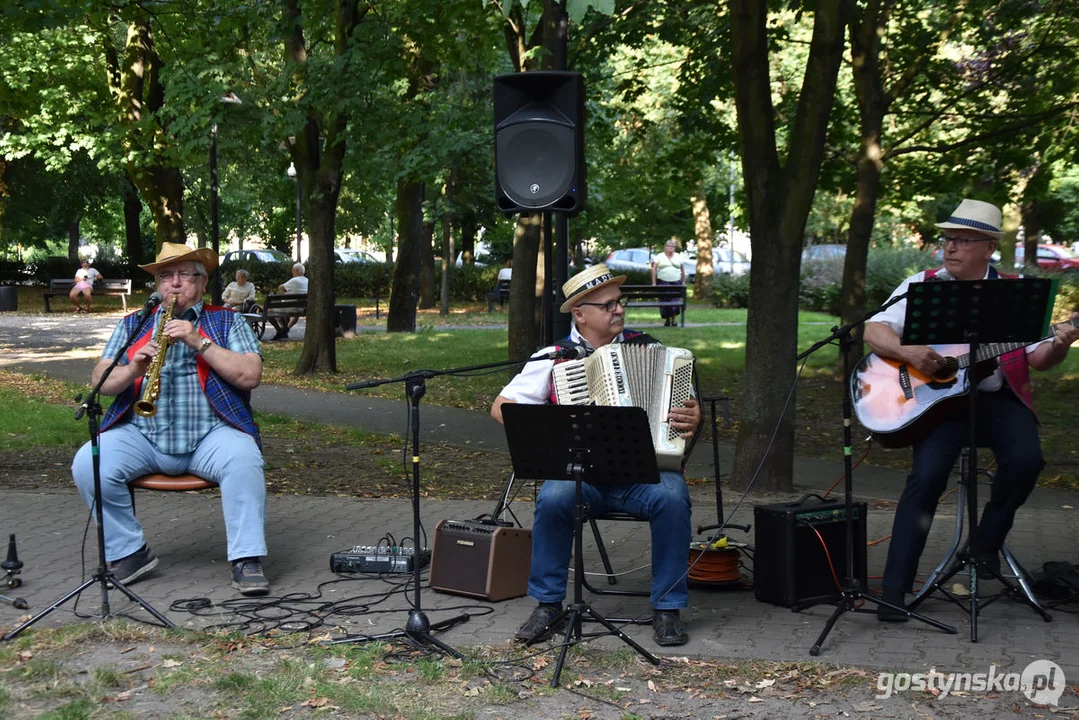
(186, 532)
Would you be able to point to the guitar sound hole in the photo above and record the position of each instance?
(951, 367)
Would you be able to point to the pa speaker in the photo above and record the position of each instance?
(539, 142)
(799, 545)
(484, 561)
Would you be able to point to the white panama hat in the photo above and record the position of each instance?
(976, 215)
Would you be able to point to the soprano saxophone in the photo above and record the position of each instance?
(151, 385)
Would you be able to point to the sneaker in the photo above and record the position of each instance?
(248, 578)
(887, 614)
(129, 569)
(668, 629)
(538, 625)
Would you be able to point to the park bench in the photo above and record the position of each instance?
(277, 306)
(657, 296)
(113, 288)
(501, 293)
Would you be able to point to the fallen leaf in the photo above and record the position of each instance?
(120, 696)
(315, 703)
(170, 663)
(1067, 507)
(754, 698)
(867, 706)
(765, 684)
(651, 686)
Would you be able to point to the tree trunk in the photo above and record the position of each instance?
(448, 257)
(132, 224)
(702, 230)
(319, 352)
(427, 266)
(524, 330)
(779, 198)
(403, 295)
(73, 239)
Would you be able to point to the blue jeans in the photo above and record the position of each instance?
(225, 456)
(665, 505)
(1010, 430)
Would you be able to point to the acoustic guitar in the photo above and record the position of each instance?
(899, 403)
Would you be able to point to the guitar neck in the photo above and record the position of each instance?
(994, 350)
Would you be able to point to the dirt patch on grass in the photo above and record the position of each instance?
(117, 669)
(305, 463)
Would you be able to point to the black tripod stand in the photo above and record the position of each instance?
(103, 577)
(852, 590)
(1009, 315)
(606, 444)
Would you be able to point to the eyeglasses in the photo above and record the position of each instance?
(184, 275)
(610, 305)
(961, 240)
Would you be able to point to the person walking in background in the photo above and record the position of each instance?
(668, 269)
(296, 285)
(238, 292)
(85, 277)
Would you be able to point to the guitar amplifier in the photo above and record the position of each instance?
(485, 561)
(791, 561)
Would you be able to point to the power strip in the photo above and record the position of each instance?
(379, 559)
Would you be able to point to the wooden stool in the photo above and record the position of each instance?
(168, 483)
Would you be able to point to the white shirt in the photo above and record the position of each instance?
(296, 285)
(90, 275)
(895, 316)
(668, 269)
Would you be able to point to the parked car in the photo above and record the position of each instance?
(724, 262)
(824, 252)
(630, 260)
(350, 255)
(1055, 258)
(263, 255)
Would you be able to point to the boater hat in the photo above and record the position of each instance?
(175, 252)
(975, 215)
(587, 281)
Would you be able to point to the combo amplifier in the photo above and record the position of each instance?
(791, 560)
(479, 560)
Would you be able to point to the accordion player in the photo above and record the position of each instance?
(653, 377)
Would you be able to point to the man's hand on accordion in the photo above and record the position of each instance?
(685, 419)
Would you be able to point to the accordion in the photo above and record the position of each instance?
(653, 377)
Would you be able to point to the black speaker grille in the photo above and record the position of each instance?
(535, 162)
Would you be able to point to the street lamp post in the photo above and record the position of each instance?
(299, 217)
(230, 99)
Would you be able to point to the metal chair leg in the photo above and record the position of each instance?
(611, 579)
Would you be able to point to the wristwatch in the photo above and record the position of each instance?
(206, 343)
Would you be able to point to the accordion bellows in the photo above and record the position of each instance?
(653, 377)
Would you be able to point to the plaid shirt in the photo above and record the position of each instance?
(184, 414)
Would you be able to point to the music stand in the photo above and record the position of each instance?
(603, 445)
(990, 316)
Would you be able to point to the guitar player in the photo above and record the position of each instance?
(1007, 422)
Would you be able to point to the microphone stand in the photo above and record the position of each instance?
(852, 591)
(418, 628)
(91, 408)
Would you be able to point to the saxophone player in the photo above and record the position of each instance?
(202, 424)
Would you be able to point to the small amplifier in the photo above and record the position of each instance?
(378, 559)
(478, 560)
(791, 562)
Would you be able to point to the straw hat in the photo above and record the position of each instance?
(976, 215)
(587, 281)
(175, 252)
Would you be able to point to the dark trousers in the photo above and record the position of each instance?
(1010, 430)
(674, 308)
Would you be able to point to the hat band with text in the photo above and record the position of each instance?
(606, 277)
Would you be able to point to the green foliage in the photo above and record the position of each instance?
(730, 291)
(822, 280)
(362, 280)
(471, 282)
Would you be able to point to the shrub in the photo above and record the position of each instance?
(730, 291)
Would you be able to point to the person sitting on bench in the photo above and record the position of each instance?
(296, 285)
(85, 278)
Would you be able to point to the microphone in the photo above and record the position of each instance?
(941, 276)
(574, 352)
(151, 304)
